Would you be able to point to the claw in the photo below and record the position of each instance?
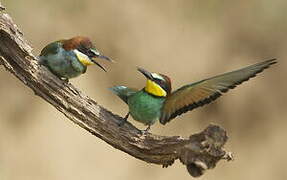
(146, 130)
(65, 79)
(124, 119)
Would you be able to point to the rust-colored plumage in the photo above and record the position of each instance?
(167, 84)
(76, 42)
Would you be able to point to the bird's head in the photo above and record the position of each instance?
(84, 50)
(157, 84)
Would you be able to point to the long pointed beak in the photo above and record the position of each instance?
(98, 65)
(105, 57)
(97, 54)
(101, 57)
(145, 73)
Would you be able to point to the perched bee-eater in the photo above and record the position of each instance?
(69, 58)
(156, 102)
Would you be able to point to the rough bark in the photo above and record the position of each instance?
(198, 152)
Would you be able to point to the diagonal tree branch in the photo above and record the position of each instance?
(199, 152)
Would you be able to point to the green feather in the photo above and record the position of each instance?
(123, 92)
(51, 48)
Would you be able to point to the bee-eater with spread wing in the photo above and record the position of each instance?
(156, 101)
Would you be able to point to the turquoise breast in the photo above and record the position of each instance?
(63, 64)
(144, 107)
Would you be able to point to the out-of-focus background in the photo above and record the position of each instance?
(187, 40)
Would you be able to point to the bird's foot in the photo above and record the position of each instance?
(65, 80)
(145, 131)
(124, 120)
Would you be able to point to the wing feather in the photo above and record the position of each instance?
(205, 91)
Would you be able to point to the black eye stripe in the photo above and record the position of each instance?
(164, 85)
(160, 82)
(82, 49)
(86, 51)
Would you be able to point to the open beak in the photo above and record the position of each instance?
(145, 73)
(97, 54)
(95, 62)
(101, 57)
(105, 57)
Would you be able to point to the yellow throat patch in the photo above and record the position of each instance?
(154, 89)
(84, 59)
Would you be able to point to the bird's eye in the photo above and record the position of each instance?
(159, 82)
(86, 51)
(162, 83)
(93, 53)
(83, 49)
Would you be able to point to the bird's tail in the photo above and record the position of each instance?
(123, 92)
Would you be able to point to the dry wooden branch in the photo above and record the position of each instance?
(199, 152)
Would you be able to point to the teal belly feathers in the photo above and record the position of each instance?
(144, 107)
(62, 63)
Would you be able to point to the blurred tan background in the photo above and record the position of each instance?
(187, 40)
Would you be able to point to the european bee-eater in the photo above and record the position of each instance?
(69, 58)
(156, 102)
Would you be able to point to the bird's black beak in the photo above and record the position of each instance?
(96, 54)
(95, 62)
(145, 73)
(105, 57)
(101, 57)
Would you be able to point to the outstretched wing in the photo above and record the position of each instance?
(123, 92)
(203, 92)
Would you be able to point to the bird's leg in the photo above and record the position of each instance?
(146, 130)
(124, 119)
(65, 79)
